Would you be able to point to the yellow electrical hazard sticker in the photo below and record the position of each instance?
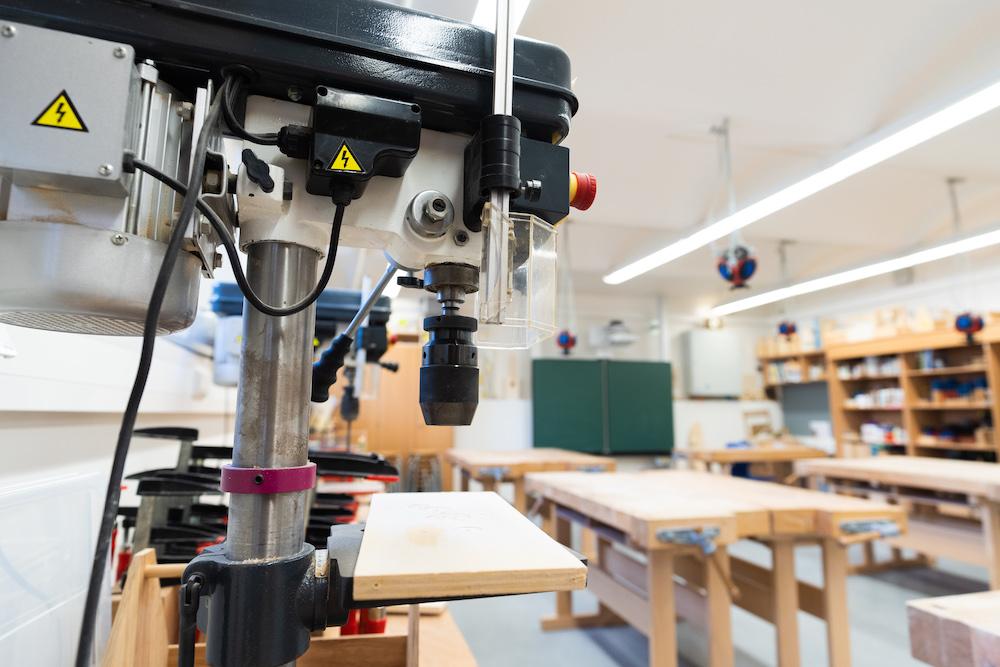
(345, 161)
(61, 114)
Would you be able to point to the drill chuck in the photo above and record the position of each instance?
(449, 372)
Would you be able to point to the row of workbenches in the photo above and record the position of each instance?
(657, 541)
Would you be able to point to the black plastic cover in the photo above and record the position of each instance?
(356, 137)
(445, 66)
(541, 161)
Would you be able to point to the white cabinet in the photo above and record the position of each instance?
(713, 362)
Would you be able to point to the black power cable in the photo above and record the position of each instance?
(230, 94)
(111, 499)
(220, 105)
(229, 244)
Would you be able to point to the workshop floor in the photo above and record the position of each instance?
(505, 631)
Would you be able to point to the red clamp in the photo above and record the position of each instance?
(268, 480)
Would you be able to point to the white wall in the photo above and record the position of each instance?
(967, 282)
(503, 420)
(61, 399)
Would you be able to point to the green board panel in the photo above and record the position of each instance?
(567, 404)
(640, 407)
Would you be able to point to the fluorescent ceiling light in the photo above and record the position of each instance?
(486, 14)
(873, 153)
(950, 249)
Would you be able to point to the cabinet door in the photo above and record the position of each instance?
(640, 407)
(567, 404)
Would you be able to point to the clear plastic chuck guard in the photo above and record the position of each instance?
(517, 280)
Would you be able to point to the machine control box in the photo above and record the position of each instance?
(67, 110)
(356, 137)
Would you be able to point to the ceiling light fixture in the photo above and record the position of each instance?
(875, 151)
(950, 249)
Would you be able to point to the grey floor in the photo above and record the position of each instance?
(505, 631)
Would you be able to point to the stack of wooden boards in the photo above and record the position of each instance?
(647, 570)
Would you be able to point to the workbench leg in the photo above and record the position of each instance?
(465, 480)
(588, 545)
(869, 554)
(662, 609)
(520, 497)
(991, 533)
(447, 474)
(719, 609)
(564, 536)
(785, 589)
(835, 603)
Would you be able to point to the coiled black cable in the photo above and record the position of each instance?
(229, 244)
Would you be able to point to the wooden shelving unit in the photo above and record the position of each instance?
(777, 368)
(901, 364)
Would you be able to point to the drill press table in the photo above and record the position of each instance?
(662, 552)
(441, 545)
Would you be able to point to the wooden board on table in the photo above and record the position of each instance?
(437, 545)
(792, 511)
(518, 462)
(642, 502)
(974, 478)
(956, 630)
(773, 454)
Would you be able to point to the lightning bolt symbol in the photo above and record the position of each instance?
(343, 157)
(60, 112)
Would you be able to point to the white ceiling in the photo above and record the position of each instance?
(800, 82)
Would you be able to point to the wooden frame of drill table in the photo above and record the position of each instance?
(647, 582)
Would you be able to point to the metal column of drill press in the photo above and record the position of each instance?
(449, 371)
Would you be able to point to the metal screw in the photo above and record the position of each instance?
(105, 170)
(294, 93)
(8, 31)
(119, 239)
(435, 209)
(120, 52)
(461, 237)
(185, 110)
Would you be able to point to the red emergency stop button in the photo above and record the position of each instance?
(582, 190)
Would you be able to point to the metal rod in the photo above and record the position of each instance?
(272, 420)
(383, 281)
(503, 82)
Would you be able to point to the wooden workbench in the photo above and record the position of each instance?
(490, 468)
(638, 557)
(956, 630)
(954, 505)
(778, 456)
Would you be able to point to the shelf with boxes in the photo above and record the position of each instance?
(924, 394)
(793, 368)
